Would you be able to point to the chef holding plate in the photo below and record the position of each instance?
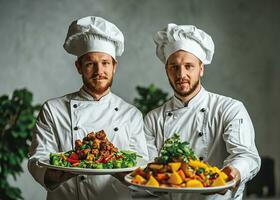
(218, 128)
(96, 43)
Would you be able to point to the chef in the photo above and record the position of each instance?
(218, 128)
(96, 42)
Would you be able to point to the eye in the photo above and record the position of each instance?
(173, 67)
(106, 63)
(189, 66)
(89, 64)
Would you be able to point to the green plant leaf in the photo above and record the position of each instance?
(150, 97)
(18, 117)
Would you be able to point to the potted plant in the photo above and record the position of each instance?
(150, 97)
(17, 119)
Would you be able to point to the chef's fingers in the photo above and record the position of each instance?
(233, 174)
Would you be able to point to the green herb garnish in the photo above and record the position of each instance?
(175, 151)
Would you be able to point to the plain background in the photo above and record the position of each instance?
(245, 64)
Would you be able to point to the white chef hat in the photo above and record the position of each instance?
(184, 37)
(94, 34)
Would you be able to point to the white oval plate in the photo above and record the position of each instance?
(88, 171)
(128, 179)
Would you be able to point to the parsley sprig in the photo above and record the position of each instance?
(174, 150)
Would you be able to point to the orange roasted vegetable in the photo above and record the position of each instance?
(152, 182)
(182, 174)
(175, 166)
(139, 180)
(194, 183)
(218, 181)
(175, 178)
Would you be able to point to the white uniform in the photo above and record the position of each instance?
(218, 129)
(66, 119)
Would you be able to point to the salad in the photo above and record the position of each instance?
(95, 151)
(178, 166)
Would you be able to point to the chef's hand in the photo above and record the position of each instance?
(55, 177)
(233, 174)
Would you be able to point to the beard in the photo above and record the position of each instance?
(95, 86)
(192, 88)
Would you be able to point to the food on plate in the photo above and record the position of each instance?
(178, 166)
(95, 151)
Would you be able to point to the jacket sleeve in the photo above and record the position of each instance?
(150, 134)
(137, 141)
(239, 137)
(43, 142)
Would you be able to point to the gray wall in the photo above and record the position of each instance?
(245, 65)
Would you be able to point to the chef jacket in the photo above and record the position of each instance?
(66, 119)
(219, 130)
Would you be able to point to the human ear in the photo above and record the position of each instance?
(78, 66)
(201, 69)
(115, 64)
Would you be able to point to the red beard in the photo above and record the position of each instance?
(97, 87)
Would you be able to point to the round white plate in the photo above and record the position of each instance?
(128, 179)
(88, 171)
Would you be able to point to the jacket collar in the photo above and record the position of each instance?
(176, 103)
(83, 95)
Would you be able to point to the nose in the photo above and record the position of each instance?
(181, 71)
(98, 69)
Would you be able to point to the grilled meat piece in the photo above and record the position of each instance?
(95, 152)
(104, 153)
(101, 135)
(78, 143)
(114, 149)
(96, 144)
(105, 146)
(91, 136)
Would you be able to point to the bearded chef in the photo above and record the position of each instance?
(218, 128)
(96, 42)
